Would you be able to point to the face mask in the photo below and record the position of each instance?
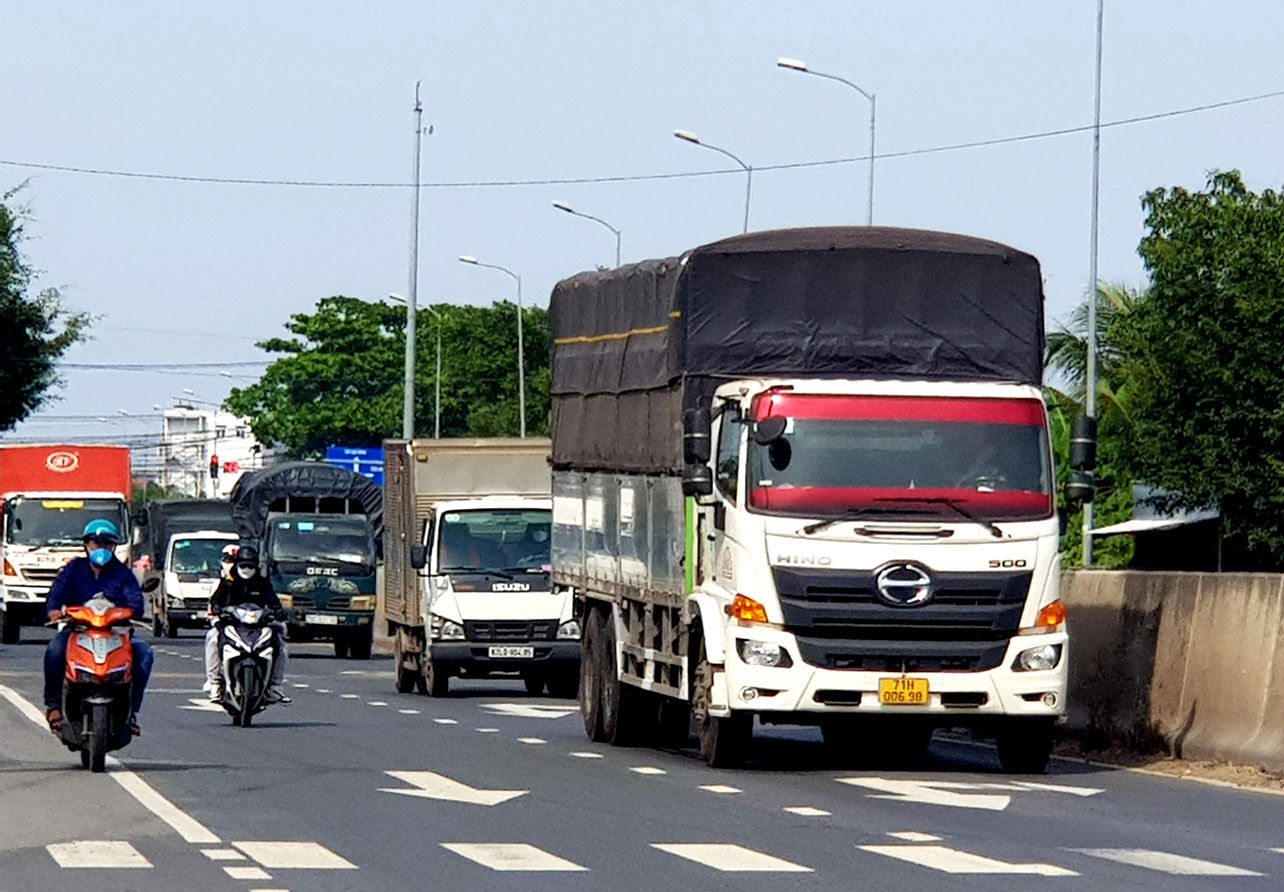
(246, 572)
(100, 556)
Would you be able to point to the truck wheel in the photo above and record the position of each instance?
(436, 682)
(407, 679)
(628, 713)
(362, 643)
(340, 645)
(10, 628)
(158, 627)
(171, 630)
(564, 684)
(724, 741)
(1025, 746)
(674, 728)
(590, 678)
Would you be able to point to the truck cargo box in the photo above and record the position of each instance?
(167, 517)
(309, 486)
(65, 468)
(634, 346)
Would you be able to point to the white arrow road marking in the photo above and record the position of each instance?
(730, 858)
(247, 873)
(1166, 862)
(950, 860)
(222, 855)
(201, 705)
(510, 856)
(97, 853)
(430, 785)
(929, 792)
(295, 856)
(530, 710)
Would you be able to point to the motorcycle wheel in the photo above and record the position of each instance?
(247, 696)
(96, 739)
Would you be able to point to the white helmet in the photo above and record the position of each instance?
(229, 553)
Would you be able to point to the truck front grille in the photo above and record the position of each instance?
(496, 630)
(41, 574)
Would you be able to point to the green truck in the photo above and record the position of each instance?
(318, 530)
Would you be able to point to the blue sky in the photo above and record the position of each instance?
(196, 272)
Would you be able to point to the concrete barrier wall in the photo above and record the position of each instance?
(1191, 662)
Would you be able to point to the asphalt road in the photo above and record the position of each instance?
(356, 787)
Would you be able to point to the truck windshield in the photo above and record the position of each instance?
(903, 456)
(343, 538)
(199, 557)
(40, 523)
(499, 540)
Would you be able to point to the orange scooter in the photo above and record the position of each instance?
(96, 687)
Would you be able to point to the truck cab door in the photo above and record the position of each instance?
(719, 532)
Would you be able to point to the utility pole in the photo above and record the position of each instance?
(408, 406)
(1090, 382)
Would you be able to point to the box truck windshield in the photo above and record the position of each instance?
(201, 558)
(327, 537)
(899, 456)
(41, 523)
(498, 540)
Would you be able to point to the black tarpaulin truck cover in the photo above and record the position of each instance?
(169, 516)
(634, 346)
(254, 493)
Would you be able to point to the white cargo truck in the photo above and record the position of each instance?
(805, 477)
(467, 588)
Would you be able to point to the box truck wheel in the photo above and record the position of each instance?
(590, 678)
(340, 644)
(408, 679)
(361, 644)
(1024, 745)
(158, 627)
(171, 628)
(534, 683)
(564, 684)
(436, 681)
(10, 629)
(724, 740)
(629, 714)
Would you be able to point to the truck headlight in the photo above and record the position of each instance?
(172, 601)
(446, 629)
(287, 601)
(345, 587)
(569, 630)
(1038, 659)
(363, 603)
(762, 653)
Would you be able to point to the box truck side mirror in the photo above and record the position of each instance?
(696, 443)
(140, 517)
(152, 584)
(697, 481)
(1080, 488)
(419, 556)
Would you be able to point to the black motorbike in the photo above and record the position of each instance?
(249, 646)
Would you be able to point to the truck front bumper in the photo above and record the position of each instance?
(187, 617)
(25, 604)
(473, 657)
(318, 620)
(953, 696)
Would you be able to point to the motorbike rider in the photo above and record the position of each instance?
(245, 586)
(228, 561)
(97, 573)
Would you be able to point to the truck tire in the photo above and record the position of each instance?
(534, 683)
(340, 645)
(1025, 745)
(564, 684)
(361, 644)
(724, 740)
(629, 713)
(673, 729)
(171, 630)
(158, 627)
(407, 680)
(10, 628)
(436, 683)
(590, 680)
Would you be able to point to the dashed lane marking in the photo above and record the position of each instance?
(1167, 862)
(297, 685)
(247, 873)
(720, 788)
(323, 690)
(487, 730)
(97, 853)
(350, 696)
(807, 811)
(648, 770)
(408, 711)
(587, 756)
(730, 858)
(294, 856)
(222, 855)
(446, 721)
(949, 860)
(532, 740)
(376, 703)
(530, 710)
(511, 856)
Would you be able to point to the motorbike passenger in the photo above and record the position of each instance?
(245, 586)
(228, 562)
(97, 573)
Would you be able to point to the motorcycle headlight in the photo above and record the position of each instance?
(365, 602)
(569, 630)
(762, 653)
(446, 629)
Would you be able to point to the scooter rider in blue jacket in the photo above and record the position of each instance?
(97, 573)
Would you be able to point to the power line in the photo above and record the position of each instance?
(634, 178)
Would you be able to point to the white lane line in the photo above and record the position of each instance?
(222, 855)
(376, 703)
(295, 856)
(532, 740)
(200, 704)
(648, 770)
(587, 756)
(297, 685)
(97, 853)
(730, 858)
(350, 696)
(247, 873)
(23, 706)
(1167, 862)
(914, 836)
(1280, 851)
(408, 711)
(807, 811)
(487, 730)
(511, 856)
(446, 721)
(929, 792)
(1057, 788)
(949, 860)
(720, 788)
(530, 710)
(323, 690)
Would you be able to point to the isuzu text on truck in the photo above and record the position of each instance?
(49, 493)
(804, 476)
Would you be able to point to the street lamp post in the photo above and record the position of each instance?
(799, 65)
(521, 359)
(690, 137)
(1090, 382)
(408, 403)
(436, 415)
(563, 206)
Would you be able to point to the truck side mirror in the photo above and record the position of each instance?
(696, 441)
(419, 556)
(140, 517)
(1083, 444)
(697, 481)
(1080, 488)
(152, 584)
(770, 429)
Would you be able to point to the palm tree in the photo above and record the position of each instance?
(1067, 354)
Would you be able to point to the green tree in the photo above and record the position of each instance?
(339, 378)
(1208, 410)
(38, 330)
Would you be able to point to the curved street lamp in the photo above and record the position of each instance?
(563, 206)
(521, 361)
(688, 136)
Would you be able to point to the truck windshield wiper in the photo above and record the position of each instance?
(849, 514)
(952, 504)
